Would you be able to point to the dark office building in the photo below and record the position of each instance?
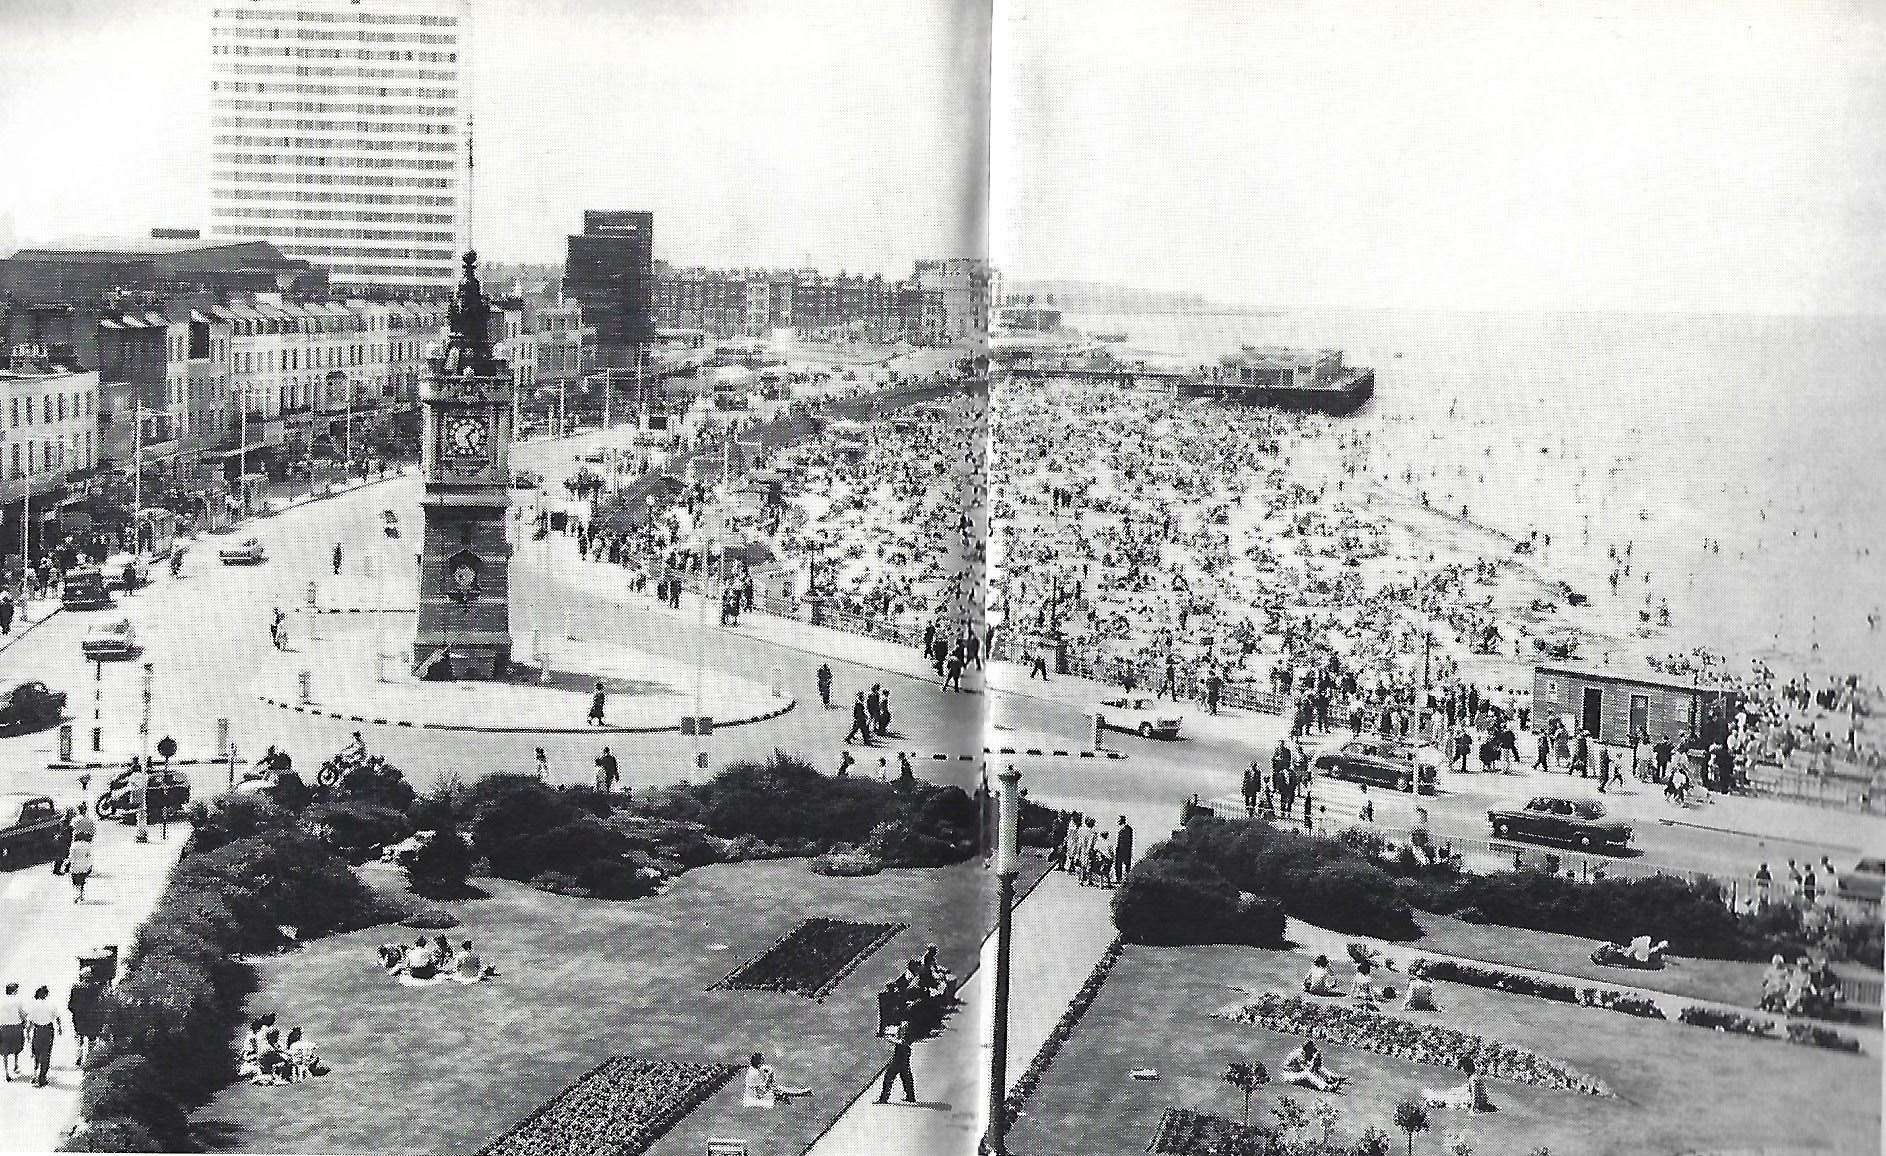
(610, 270)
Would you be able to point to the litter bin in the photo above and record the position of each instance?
(558, 520)
(1060, 656)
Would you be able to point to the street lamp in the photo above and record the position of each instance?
(1007, 836)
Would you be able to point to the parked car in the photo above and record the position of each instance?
(29, 705)
(110, 640)
(1865, 883)
(1141, 716)
(169, 791)
(1549, 820)
(30, 828)
(84, 589)
(1381, 763)
(247, 552)
(526, 480)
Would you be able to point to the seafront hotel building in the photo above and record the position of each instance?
(338, 133)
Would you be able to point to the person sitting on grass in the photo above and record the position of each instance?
(1420, 990)
(939, 978)
(467, 967)
(1319, 981)
(442, 951)
(421, 963)
(1304, 1068)
(1775, 984)
(1363, 989)
(1469, 1097)
(269, 1065)
(304, 1060)
(763, 1088)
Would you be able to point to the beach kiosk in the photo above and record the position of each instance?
(1612, 705)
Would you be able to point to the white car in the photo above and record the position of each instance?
(247, 552)
(111, 640)
(1142, 716)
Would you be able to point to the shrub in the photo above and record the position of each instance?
(230, 817)
(126, 1088)
(558, 883)
(430, 918)
(370, 780)
(785, 798)
(847, 863)
(114, 1134)
(441, 864)
(1172, 901)
(357, 828)
(1351, 897)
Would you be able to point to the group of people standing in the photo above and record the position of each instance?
(30, 1026)
(1095, 857)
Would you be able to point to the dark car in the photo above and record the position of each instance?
(1865, 883)
(29, 706)
(1579, 822)
(1379, 763)
(31, 828)
(84, 589)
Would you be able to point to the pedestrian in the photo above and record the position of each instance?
(899, 1069)
(1252, 777)
(953, 679)
(1764, 885)
(1214, 686)
(1123, 850)
(337, 558)
(825, 684)
(83, 1008)
(42, 1023)
(607, 771)
(79, 867)
(6, 613)
(596, 700)
(860, 721)
(12, 1031)
(845, 763)
(1581, 755)
(1544, 761)
(543, 765)
(1604, 767)
(1040, 667)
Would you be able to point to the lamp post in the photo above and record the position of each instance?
(1007, 836)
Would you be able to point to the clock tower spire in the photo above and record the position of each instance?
(465, 557)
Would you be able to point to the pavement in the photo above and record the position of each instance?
(47, 932)
(1060, 931)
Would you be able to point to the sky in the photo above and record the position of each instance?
(1659, 157)
(1582, 155)
(845, 135)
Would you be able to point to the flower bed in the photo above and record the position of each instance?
(811, 959)
(1422, 1043)
(1498, 979)
(1735, 1023)
(1183, 1132)
(1063, 1028)
(619, 1108)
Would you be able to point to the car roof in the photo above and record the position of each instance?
(22, 797)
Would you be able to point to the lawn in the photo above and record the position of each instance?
(1676, 1088)
(1728, 981)
(450, 1068)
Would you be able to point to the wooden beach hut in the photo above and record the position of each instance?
(1611, 705)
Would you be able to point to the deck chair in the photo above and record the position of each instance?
(717, 1146)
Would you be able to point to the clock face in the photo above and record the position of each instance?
(467, 437)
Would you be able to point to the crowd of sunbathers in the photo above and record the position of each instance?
(269, 1059)
(434, 962)
(1304, 1067)
(1366, 989)
(1800, 988)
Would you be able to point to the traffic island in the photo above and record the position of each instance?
(356, 673)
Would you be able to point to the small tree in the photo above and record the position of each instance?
(1326, 1116)
(1373, 1142)
(438, 868)
(1247, 1078)
(1290, 1114)
(1411, 1116)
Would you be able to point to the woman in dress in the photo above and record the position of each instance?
(12, 1031)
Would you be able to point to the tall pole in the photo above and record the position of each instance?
(349, 451)
(1005, 865)
(242, 451)
(137, 468)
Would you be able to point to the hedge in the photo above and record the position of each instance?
(169, 1024)
(1172, 900)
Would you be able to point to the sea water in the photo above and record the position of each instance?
(1741, 459)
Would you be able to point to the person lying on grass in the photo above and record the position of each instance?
(763, 1088)
(1469, 1097)
(1304, 1068)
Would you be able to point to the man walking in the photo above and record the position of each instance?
(1122, 850)
(899, 1069)
(596, 701)
(1039, 667)
(953, 678)
(606, 771)
(1252, 785)
(42, 1024)
(860, 721)
(825, 684)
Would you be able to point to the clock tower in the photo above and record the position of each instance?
(465, 559)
